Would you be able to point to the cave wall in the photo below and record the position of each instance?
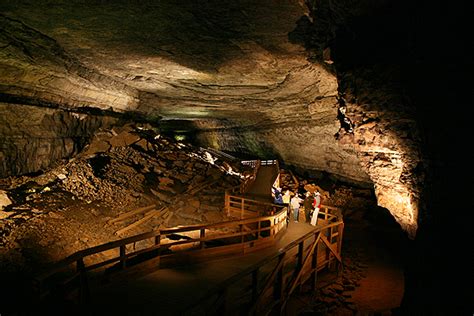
(35, 69)
(254, 69)
(403, 69)
(367, 43)
(307, 143)
(224, 63)
(32, 138)
(257, 88)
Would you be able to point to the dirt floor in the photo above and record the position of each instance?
(77, 203)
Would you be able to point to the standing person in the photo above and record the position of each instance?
(277, 196)
(308, 206)
(317, 205)
(286, 197)
(295, 205)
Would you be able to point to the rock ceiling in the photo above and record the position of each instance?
(229, 70)
(179, 60)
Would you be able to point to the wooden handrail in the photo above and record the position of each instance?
(248, 182)
(274, 228)
(240, 205)
(255, 268)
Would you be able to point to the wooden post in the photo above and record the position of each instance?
(157, 239)
(299, 264)
(202, 235)
(227, 203)
(242, 201)
(158, 242)
(83, 284)
(300, 254)
(328, 252)
(259, 226)
(314, 266)
(340, 229)
(255, 284)
(123, 258)
(278, 288)
(241, 226)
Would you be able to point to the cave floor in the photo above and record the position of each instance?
(372, 282)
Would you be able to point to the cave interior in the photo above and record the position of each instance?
(367, 95)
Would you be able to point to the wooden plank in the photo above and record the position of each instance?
(166, 221)
(148, 216)
(300, 272)
(269, 282)
(330, 246)
(126, 215)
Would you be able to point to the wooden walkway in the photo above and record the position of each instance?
(195, 274)
(171, 291)
(261, 188)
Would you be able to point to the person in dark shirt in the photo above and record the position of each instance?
(308, 206)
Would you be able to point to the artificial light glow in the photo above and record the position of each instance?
(401, 205)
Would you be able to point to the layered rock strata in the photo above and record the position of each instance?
(239, 74)
(34, 137)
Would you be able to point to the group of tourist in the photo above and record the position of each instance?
(311, 204)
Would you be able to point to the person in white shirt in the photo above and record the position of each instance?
(295, 205)
(316, 205)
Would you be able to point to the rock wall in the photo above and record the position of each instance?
(403, 71)
(305, 143)
(32, 138)
(366, 43)
(34, 69)
(243, 86)
(388, 143)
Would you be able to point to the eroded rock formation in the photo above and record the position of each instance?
(34, 137)
(243, 86)
(261, 77)
(34, 68)
(257, 77)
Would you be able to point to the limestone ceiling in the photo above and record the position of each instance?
(188, 59)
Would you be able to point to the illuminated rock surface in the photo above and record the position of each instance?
(254, 77)
(241, 85)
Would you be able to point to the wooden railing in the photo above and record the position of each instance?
(250, 163)
(255, 164)
(251, 179)
(269, 162)
(241, 236)
(240, 207)
(217, 152)
(267, 285)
